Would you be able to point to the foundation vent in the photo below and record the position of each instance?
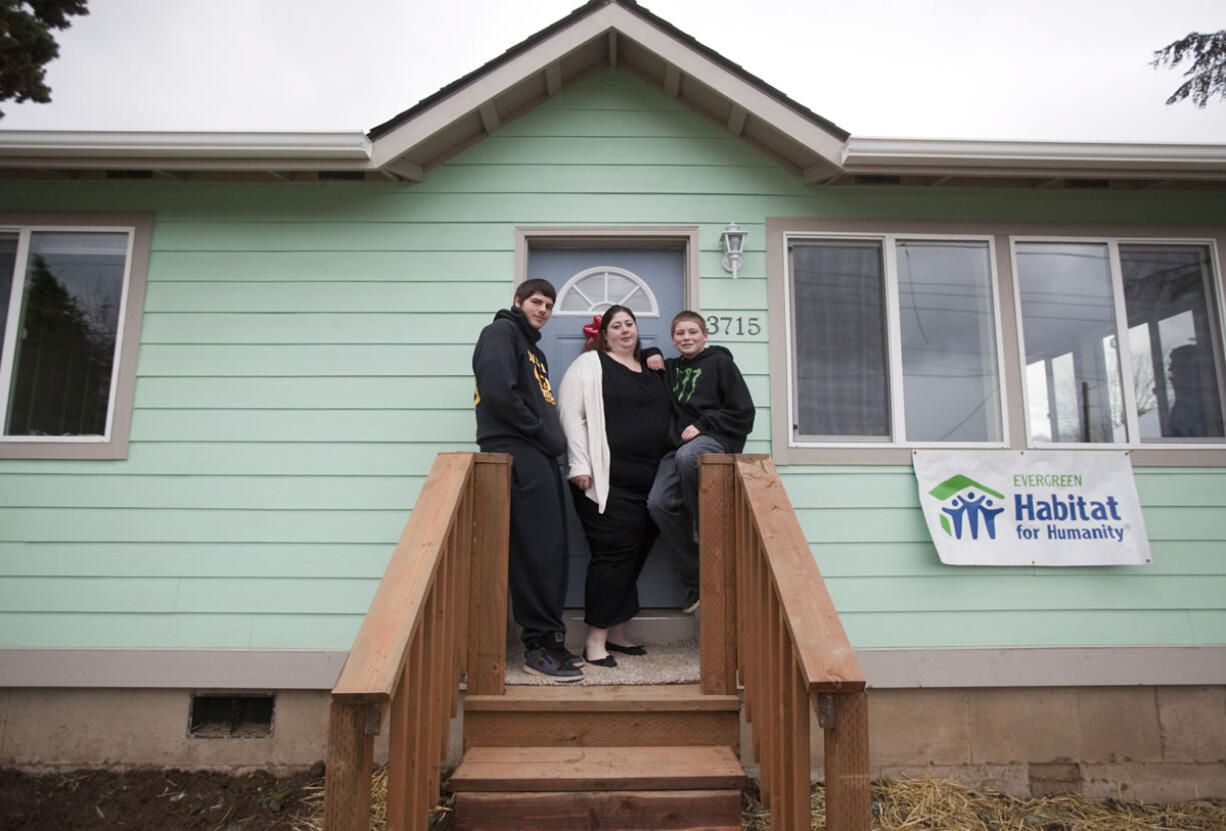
(230, 716)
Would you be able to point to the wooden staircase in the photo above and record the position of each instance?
(623, 757)
(598, 757)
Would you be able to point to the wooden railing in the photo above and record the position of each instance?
(439, 614)
(767, 616)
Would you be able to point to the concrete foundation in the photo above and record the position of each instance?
(1155, 744)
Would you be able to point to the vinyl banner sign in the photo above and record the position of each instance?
(1043, 508)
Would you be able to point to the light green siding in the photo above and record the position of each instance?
(305, 354)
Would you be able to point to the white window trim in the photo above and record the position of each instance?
(113, 444)
(897, 414)
(1132, 427)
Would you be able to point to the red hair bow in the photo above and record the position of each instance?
(591, 331)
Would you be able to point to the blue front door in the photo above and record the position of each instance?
(652, 283)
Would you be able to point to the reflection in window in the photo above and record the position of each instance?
(63, 350)
(839, 342)
(951, 387)
(1173, 329)
(946, 343)
(1068, 322)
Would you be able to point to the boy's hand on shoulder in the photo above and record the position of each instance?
(689, 432)
(655, 362)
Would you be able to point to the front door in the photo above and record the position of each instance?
(652, 284)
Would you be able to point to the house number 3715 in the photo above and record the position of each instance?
(734, 325)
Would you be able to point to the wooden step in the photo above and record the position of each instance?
(622, 788)
(562, 716)
(597, 769)
(606, 810)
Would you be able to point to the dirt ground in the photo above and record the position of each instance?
(171, 800)
(152, 799)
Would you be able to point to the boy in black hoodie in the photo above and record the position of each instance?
(712, 413)
(517, 414)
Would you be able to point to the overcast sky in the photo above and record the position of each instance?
(998, 69)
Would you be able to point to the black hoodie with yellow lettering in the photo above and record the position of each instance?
(512, 397)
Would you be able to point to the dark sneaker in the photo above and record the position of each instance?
(555, 642)
(545, 661)
(691, 602)
(565, 656)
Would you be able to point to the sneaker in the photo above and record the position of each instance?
(555, 642)
(544, 661)
(691, 602)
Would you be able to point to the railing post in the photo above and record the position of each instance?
(351, 750)
(848, 789)
(717, 575)
(487, 626)
(794, 774)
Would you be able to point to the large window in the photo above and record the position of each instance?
(995, 334)
(893, 339)
(69, 302)
(1079, 302)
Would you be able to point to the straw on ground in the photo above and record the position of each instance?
(922, 805)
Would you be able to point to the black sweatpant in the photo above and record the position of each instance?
(537, 567)
(619, 540)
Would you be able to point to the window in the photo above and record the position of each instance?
(921, 368)
(70, 298)
(1079, 301)
(595, 289)
(888, 336)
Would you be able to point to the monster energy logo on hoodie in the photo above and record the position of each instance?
(686, 383)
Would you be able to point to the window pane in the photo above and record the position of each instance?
(840, 345)
(66, 348)
(951, 386)
(1068, 318)
(1173, 329)
(600, 289)
(8, 261)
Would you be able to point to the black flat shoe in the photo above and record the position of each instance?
(633, 649)
(606, 661)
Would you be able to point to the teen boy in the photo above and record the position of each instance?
(712, 413)
(517, 414)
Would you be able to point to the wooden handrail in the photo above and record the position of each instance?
(791, 652)
(439, 614)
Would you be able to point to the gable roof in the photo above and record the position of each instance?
(608, 33)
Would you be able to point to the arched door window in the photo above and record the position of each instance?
(593, 290)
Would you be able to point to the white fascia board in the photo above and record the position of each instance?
(469, 99)
(1038, 157)
(731, 86)
(539, 57)
(207, 148)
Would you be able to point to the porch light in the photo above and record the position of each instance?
(733, 239)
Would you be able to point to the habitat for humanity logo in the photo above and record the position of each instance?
(967, 502)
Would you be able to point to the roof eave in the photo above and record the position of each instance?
(945, 157)
(185, 150)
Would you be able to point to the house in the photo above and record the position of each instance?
(261, 341)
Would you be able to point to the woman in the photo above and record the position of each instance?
(615, 413)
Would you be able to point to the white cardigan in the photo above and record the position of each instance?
(581, 409)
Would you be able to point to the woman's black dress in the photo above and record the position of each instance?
(636, 417)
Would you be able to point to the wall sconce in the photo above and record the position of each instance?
(733, 239)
